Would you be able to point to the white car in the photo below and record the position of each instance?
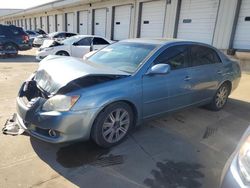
(76, 46)
(57, 36)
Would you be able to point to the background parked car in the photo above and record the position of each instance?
(236, 173)
(57, 36)
(32, 34)
(76, 46)
(12, 39)
(41, 32)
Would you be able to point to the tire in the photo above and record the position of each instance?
(220, 98)
(62, 53)
(10, 47)
(107, 129)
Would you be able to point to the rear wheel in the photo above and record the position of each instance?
(62, 53)
(113, 124)
(220, 98)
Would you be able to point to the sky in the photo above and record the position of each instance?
(21, 4)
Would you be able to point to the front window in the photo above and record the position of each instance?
(124, 56)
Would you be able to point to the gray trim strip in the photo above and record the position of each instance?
(216, 20)
(93, 22)
(78, 21)
(177, 18)
(112, 23)
(138, 34)
(66, 22)
(48, 24)
(236, 17)
(41, 22)
(56, 22)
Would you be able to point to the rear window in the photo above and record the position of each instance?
(201, 55)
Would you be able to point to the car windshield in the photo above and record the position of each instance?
(70, 40)
(124, 56)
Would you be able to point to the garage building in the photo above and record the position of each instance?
(222, 23)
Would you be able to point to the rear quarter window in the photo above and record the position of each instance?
(201, 55)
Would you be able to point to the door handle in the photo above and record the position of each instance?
(187, 78)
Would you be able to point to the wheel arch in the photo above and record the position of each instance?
(130, 103)
(65, 51)
(10, 42)
(228, 82)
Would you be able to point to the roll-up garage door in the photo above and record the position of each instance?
(44, 23)
(242, 34)
(59, 22)
(70, 22)
(100, 19)
(152, 19)
(51, 24)
(122, 15)
(83, 22)
(197, 20)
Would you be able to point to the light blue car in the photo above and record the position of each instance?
(120, 86)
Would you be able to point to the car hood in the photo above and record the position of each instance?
(55, 72)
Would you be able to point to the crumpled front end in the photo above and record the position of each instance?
(52, 126)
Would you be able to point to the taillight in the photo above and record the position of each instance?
(25, 38)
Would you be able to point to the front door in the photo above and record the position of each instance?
(80, 48)
(168, 92)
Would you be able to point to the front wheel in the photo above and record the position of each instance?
(112, 125)
(220, 98)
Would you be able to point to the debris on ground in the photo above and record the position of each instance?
(12, 127)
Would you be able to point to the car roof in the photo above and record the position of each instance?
(164, 41)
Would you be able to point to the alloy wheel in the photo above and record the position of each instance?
(221, 97)
(116, 125)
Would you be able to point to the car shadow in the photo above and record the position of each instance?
(178, 164)
(18, 59)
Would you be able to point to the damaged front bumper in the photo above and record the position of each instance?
(53, 126)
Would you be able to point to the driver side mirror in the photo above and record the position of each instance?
(159, 69)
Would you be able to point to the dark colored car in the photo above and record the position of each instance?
(13, 39)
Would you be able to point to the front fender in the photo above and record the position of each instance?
(103, 95)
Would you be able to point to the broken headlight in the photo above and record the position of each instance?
(244, 160)
(60, 103)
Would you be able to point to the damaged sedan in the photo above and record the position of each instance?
(120, 86)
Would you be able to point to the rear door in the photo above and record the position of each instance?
(168, 92)
(80, 48)
(206, 72)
